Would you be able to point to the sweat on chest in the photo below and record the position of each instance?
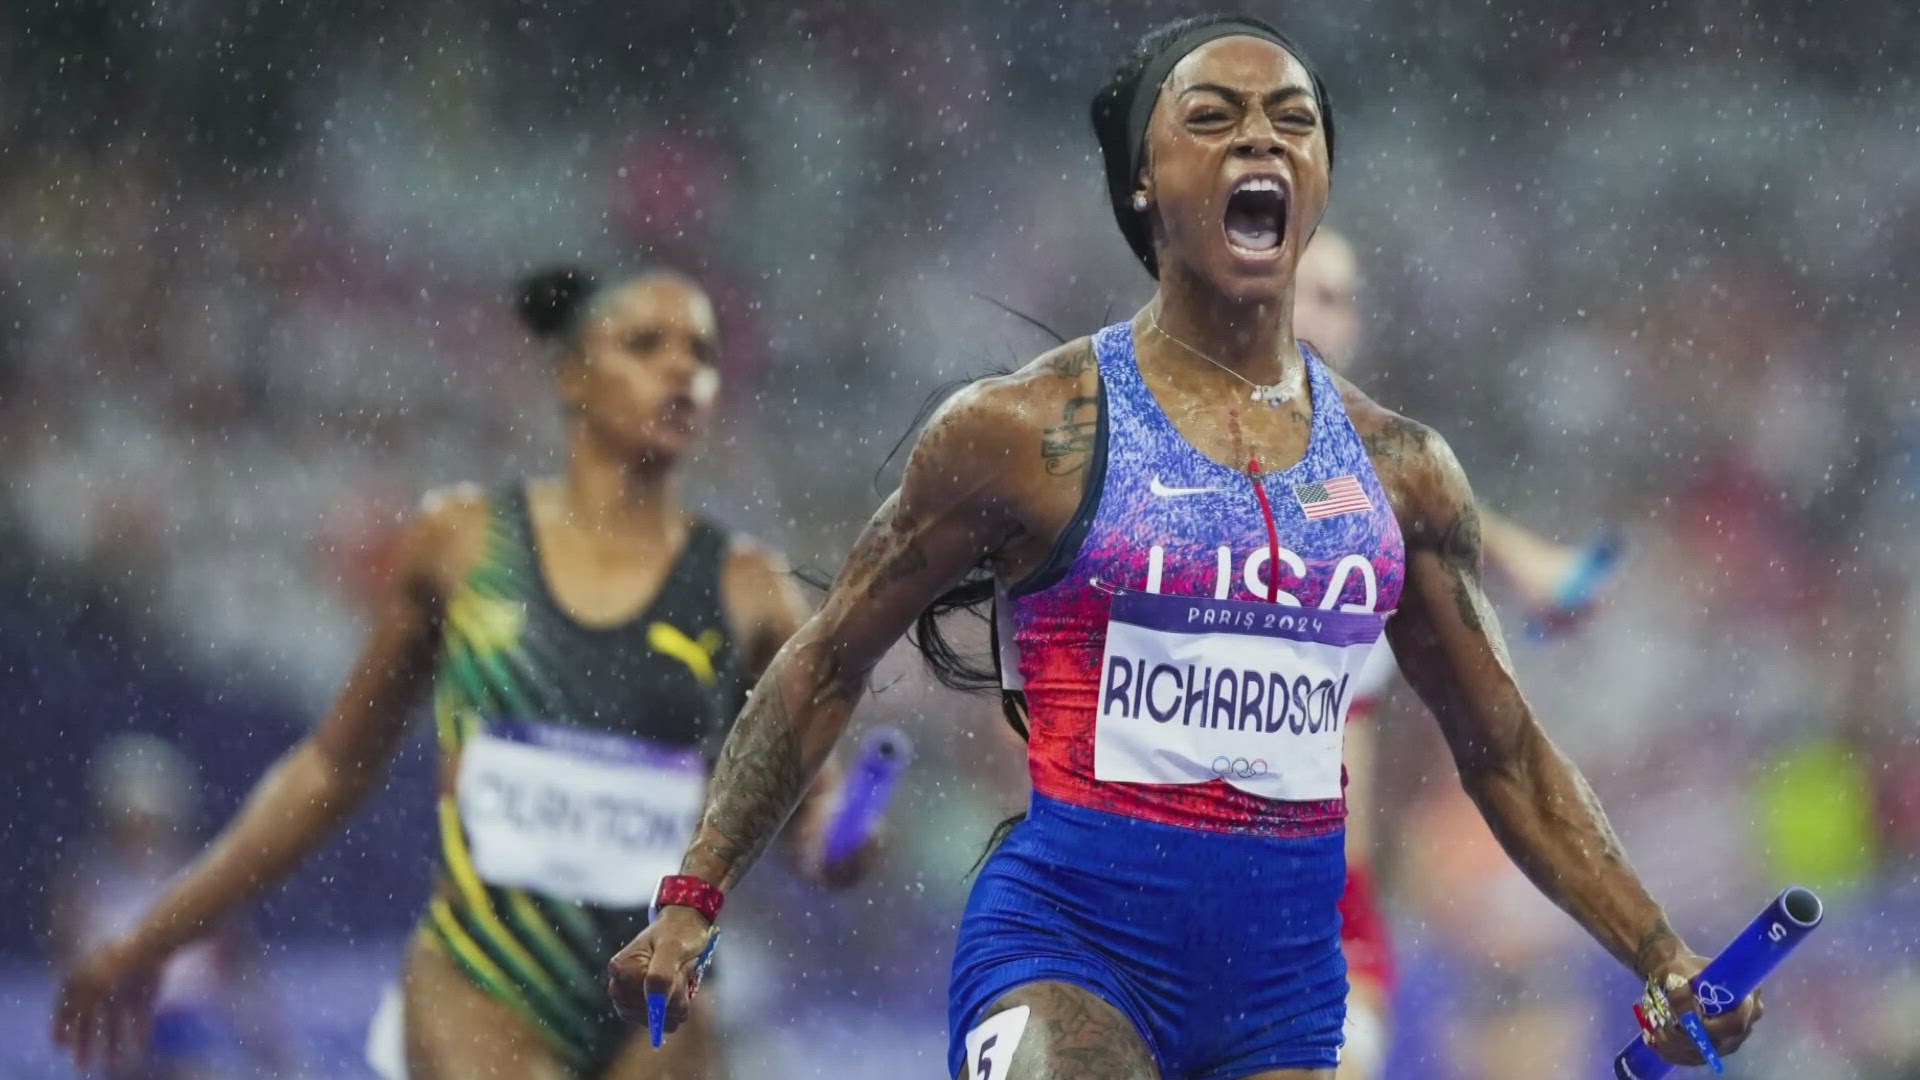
(1266, 425)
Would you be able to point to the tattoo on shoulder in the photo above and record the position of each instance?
(1072, 361)
(1067, 446)
(1396, 438)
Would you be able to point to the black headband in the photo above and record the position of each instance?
(1146, 92)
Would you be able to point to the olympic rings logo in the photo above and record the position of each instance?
(1714, 998)
(1239, 768)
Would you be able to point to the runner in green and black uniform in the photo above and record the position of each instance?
(530, 927)
(586, 640)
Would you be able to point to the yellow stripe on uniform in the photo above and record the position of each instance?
(455, 729)
(460, 866)
(472, 956)
(526, 915)
(494, 981)
(451, 723)
(574, 924)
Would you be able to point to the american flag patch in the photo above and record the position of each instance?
(1331, 498)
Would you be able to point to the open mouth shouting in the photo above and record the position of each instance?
(1256, 217)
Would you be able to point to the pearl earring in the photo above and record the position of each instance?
(1140, 202)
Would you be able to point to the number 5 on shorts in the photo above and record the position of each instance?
(990, 1046)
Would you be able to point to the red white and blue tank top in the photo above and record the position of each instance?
(1167, 675)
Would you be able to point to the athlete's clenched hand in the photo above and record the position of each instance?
(1727, 1029)
(661, 960)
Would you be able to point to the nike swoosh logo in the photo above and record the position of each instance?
(1163, 491)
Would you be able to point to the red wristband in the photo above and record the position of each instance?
(685, 890)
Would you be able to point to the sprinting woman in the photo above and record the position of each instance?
(1200, 532)
(585, 639)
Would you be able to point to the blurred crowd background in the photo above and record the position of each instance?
(1647, 265)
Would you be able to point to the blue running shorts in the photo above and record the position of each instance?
(1223, 949)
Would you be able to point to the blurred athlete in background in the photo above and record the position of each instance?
(1200, 530)
(207, 1008)
(1326, 313)
(585, 639)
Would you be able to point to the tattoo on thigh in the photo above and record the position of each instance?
(1073, 1034)
(990, 1046)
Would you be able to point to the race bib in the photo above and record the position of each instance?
(1194, 689)
(581, 815)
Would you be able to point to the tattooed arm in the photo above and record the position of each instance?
(1448, 643)
(943, 520)
(957, 504)
(765, 610)
(971, 489)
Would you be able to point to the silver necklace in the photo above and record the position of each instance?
(1272, 394)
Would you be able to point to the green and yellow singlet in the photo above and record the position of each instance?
(580, 757)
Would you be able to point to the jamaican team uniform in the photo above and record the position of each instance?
(577, 758)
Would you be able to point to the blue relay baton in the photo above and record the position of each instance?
(1735, 973)
(657, 1002)
(883, 756)
(1590, 571)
